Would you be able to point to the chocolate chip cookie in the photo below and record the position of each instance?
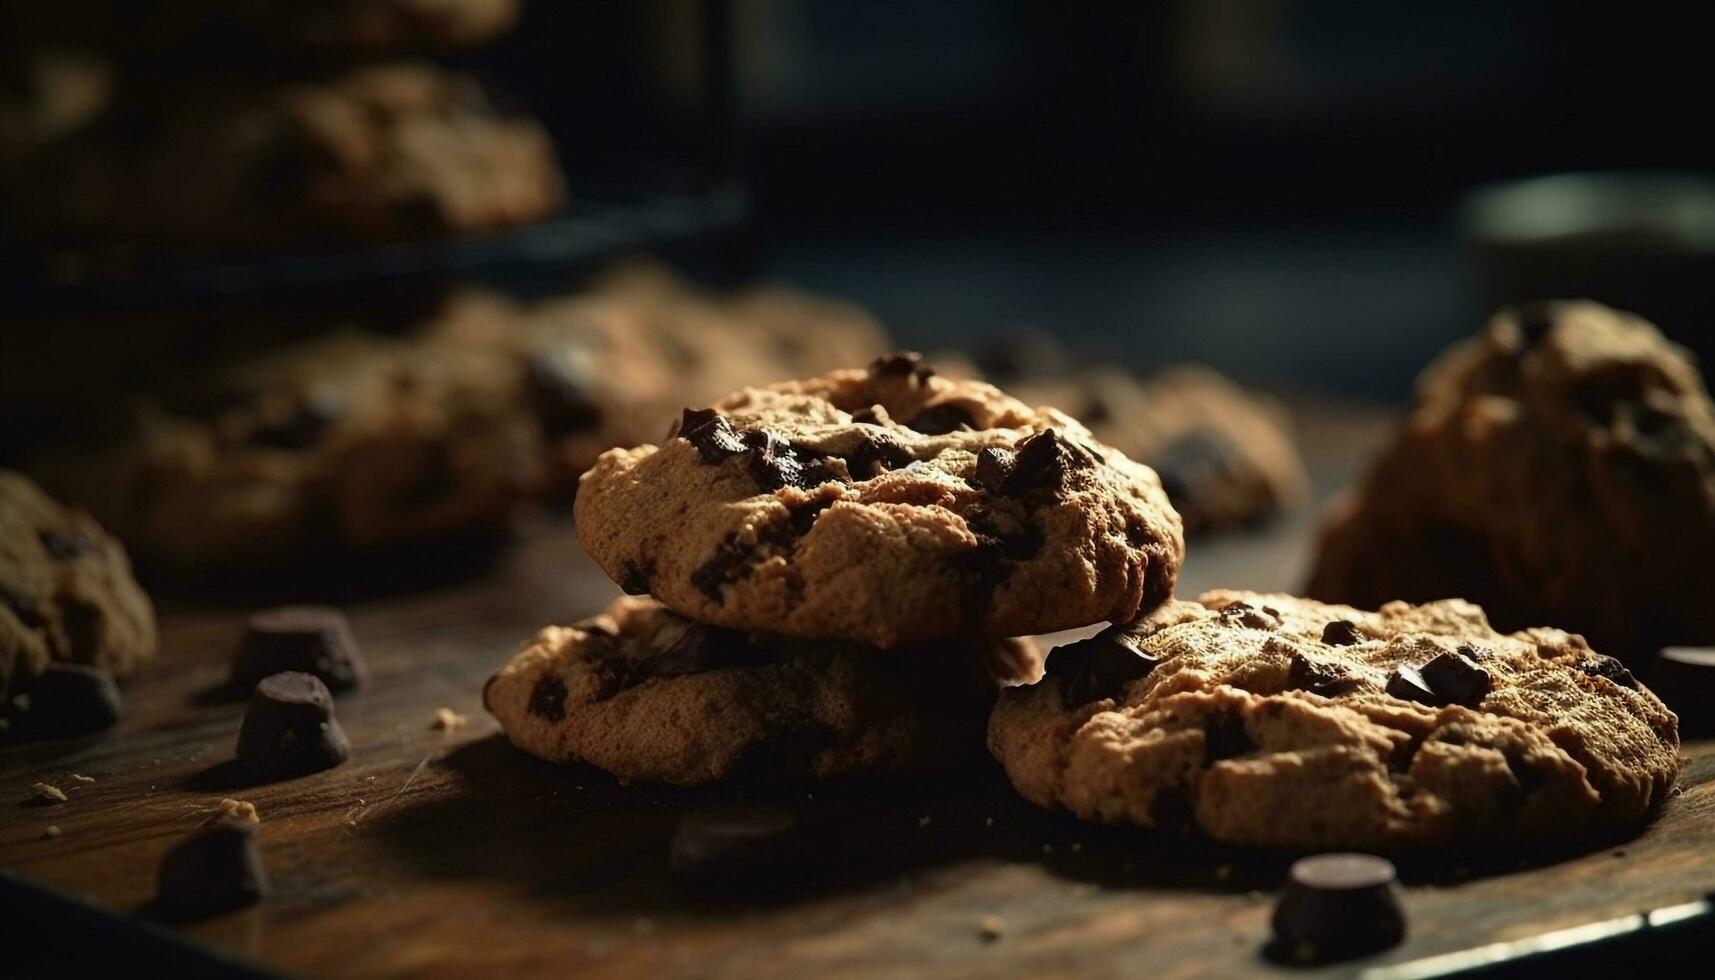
(883, 505)
(1225, 456)
(377, 154)
(648, 695)
(66, 591)
(1558, 468)
(1275, 721)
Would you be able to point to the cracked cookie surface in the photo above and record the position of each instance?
(884, 505)
(648, 695)
(1274, 721)
(1559, 468)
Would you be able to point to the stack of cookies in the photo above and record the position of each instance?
(828, 577)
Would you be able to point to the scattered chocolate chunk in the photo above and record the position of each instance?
(775, 463)
(289, 727)
(938, 420)
(711, 433)
(1336, 907)
(1100, 666)
(702, 648)
(1341, 633)
(562, 392)
(1318, 677)
(548, 698)
(1684, 677)
(312, 416)
(1226, 737)
(1246, 615)
(900, 364)
(738, 847)
(311, 639)
(213, 870)
(876, 454)
(66, 545)
(993, 467)
(70, 699)
(1456, 678)
(1193, 464)
(636, 580)
(1407, 684)
(1601, 665)
(1042, 461)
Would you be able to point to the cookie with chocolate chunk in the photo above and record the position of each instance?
(648, 695)
(66, 592)
(884, 505)
(1559, 467)
(1274, 721)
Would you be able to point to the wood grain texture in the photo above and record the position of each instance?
(449, 853)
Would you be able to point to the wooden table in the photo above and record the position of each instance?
(450, 853)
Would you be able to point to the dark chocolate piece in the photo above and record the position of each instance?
(1336, 907)
(993, 467)
(938, 420)
(1225, 737)
(289, 727)
(875, 454)
(66, 545)
(216, 869)
(867, 416)
(1042, 461)
(1100, 666)
(1341, 633)
(1407, 684)
(703, 648)
(636, 579)
(738, 847)
(1318, 677)
(561, 392)
(1601, 665)
(775, 463)
(721, 567)
(1456, 678)
(70, 699)
(1535, 320)
(711, 433)
(548, 699)
(312, 639)
(899, 364)
(1249, 616)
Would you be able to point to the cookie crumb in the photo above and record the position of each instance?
(448, 720)
(78, 777)
(923, 821)
(241, 810)
(51, 831)
(988, 821)
(47, 793)
(991, 928)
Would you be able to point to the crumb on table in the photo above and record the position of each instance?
(241, 810)
(78, 777)
(447, 720)
(991, 928)
(48, 793)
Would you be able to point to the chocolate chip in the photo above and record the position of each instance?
(303, 426)
(1335, 907)
(311, 639)
(899, 364)
(866, 416)
(711, 433)
(1246, 615)
(70, 699)
(636, 580)
(213, 870)
(1100, 666)
(775, 463)
(548, 698)
(66, 545)
(1456, 678)
(562, 392)
(1318, 677)
(1341, 633)
(738, 846)
(1407, 684)
(874, 454)
(1042, 462)
(938, 420)
(712, 576)
(804, 518)
(289, 727)
(993, 467)
(703, 648)
(1225, 737)
(1534, 320)
(1600, 665)
(1528, 777)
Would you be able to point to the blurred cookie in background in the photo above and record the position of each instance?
(47, 95)
(1558, 467)
(378, 154)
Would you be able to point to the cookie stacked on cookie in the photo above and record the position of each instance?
(832, 563)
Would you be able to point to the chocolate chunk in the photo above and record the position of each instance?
(703, 648)
(562, 392)
(1225, 737)
(993, 467)
(70, 699)
(312, 639)
(938, 420)
(711, 433)
(804, 518)
(1246, 615)
(289, 727)
(1318, 677)
(1407, 684)
(775, 463)
(866, 416)
(874, 454)
(899, 364)
(1600, 665)
(740, 846)
(1194, 463)
(66, 545)
(1527, 776)
(636, 579)
(721, 567)
(548, 698)
(213, 870)
(1341, 633)
(1535, 320)
(1335, 907)
(300, 429)
(1042, 462)
(1684, 677)
(1100, 666)
(1456, 678)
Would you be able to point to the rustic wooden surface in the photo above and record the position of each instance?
(450, 853)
